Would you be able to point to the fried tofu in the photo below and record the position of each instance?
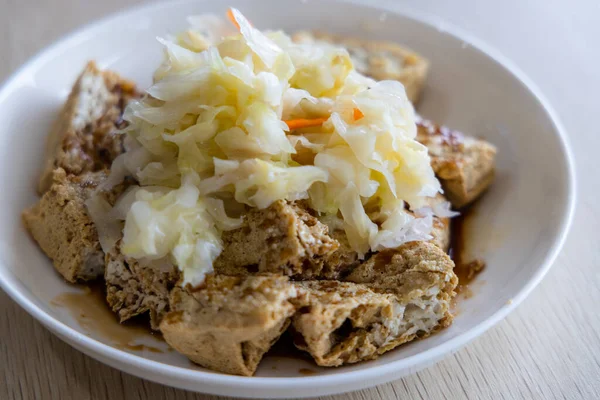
(79, 152)
(286, 239)
(379, 59)
(440, 231)
(229, 323)
(134, 287)
(413, 267)
(464, 165)
(282, 239)
(390, 299)
(83, 139)
(62, 227)
(339, 324)
(343, 259)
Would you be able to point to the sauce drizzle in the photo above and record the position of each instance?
(90, 310)
(307, 371)
(465, 269)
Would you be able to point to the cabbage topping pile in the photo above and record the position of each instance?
(240, 118)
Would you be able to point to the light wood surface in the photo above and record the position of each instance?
(548, 348)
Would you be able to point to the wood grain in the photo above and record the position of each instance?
(548, 348)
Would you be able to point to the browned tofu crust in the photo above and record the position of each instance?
(134, 287)
(342, 260)
(392, 298)
(282, 238)
(408, 269)
(339, 322)
(62, 227)
(83, 138)
(287, 239)
(464, 165)
(229, 323)
(440, 231)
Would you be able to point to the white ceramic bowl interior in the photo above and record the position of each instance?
(517, 228)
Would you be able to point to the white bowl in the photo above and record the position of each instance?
(518, 228)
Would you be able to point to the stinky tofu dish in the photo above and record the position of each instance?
(263, 184)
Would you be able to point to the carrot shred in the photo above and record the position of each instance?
(357, 114)
(304, 123)
(232, 18)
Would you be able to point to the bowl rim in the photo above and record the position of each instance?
(388, 369)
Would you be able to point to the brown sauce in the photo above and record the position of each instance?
(90, 310)
(466, 268)
(307, 371)
(285, 348)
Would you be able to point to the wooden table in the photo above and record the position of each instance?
(548, 348)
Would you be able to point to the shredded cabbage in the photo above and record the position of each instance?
(216, 124)
(180, 223)
(108, 227)
(259, 183)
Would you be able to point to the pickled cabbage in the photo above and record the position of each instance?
(254, 117)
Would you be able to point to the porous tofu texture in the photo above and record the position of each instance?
(60, 224)
(282, 238)
(134, 287)
(286, 239)
(83, 138)
(440, 231)
(229, 323)
(342, 260)
(392, 298)
(464, 165)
